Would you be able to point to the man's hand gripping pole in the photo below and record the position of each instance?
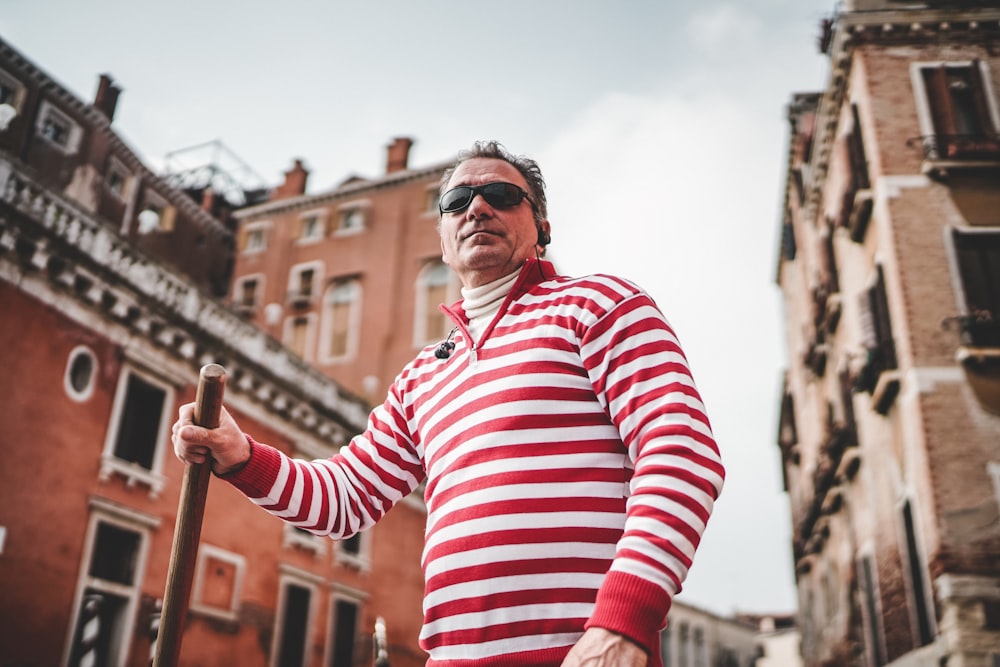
(187, 531)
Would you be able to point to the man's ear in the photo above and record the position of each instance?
(444, 253)
(544, 234)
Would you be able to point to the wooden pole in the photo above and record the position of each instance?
(187, 531)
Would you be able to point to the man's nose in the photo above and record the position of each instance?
(478, 207)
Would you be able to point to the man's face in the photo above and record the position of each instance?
(481, 243)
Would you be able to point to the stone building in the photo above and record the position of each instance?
(698, 638)
(109, 278)
(889, 264)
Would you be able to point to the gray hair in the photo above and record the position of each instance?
(527, 167)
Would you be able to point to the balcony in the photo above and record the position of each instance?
(879, 376)
(815, 355)
(945, 152)
(300, 299)
(979, 354)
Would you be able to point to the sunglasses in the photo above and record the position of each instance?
(497, 195)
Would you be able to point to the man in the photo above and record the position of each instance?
(570, 466)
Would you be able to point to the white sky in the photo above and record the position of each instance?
(659, 125)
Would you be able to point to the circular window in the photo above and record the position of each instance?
(80, 372)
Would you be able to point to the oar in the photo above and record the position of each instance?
(187, 531)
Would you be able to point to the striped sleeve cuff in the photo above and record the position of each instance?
(631, 606)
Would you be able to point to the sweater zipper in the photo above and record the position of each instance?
(460, 322)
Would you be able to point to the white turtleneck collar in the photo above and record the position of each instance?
(482, 303)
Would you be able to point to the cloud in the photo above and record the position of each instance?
(681, 195)
(727, 28)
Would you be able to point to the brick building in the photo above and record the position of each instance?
(349, 278)
(890, 419)
(108, 279)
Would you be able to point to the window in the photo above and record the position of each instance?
(311, 226)
(665, 656)
(80, 371)
(341, 315)
(300, 538)
(11, 91)
(874, 640)
(880, 349)
(108, 586)
(353, 551)
(436, 284)
(352, 217)
(218, 581)
(343, 631)
(857, 204)
(254, 238)
(682, 646)
(977, 255)
(788, 247)
(8, 92)
(920, 611)
(698, 648)
(958, 110)
(302, 281)
(155, 215)
(431, 199)
(292, 623)
(138, 433)
(57, 128)
(247, 293)
(297, 335)
(117, 178)
(993, 468)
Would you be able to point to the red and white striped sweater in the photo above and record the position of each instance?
(570, 472)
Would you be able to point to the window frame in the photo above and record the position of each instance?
(288, 330)
(360, 206)
(73, 130)
(133, 473)
(258, 229)
(353, 319)
(105, 511)
(422, 305)
(361, 560)
(18, 90)
(292, 576)
(116, 166)
(239, 563)
(341, 593)
(298, 538)
(295, 292)
(922, 98)
(83, 395)
(872, 614)
(237, 298)
(320, 217)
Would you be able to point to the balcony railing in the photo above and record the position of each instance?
(980, 329)
(978, 147)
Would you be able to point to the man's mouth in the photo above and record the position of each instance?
(479, 232)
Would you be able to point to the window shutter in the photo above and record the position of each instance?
(168, 219)
(979, 98)
(939, 99)
(869, 337)
(883, 323)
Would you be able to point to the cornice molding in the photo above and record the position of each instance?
(98, 122)
(889, 28)
(79, 258)
(350, 190)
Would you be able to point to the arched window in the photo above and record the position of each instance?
(436, 284)
(341, 311)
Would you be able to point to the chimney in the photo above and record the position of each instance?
(398, 155)
(107, 96)
(295, 182)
